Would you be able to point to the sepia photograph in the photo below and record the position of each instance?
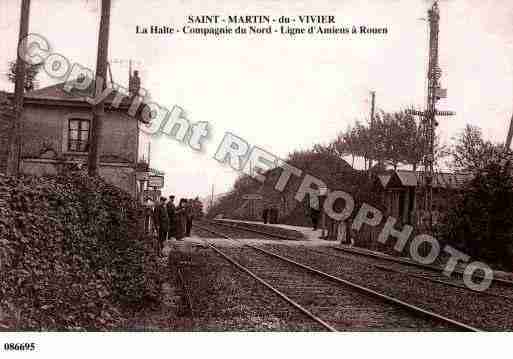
(253, 175)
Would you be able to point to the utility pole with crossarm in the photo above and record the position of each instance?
(428, 117)
(13, 160)
(93, 163)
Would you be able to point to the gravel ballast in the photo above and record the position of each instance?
(482, 312)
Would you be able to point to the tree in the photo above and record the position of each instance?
(328, 149)
(346, 144)
(471, 152)
(355, 141)
(363, 137)
(392, 138)
(414, 144)
(480, 220)
(31, 72)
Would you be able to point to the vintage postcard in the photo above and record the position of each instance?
(184, 169)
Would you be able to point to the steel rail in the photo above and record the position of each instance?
(398, 261)
(267, 285)
(403, 262)
(414, 275)
(363, 253)
(412, 263)
(361, 288)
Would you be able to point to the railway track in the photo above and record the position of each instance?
(434, 276)
(401, 266)
(411, 263)
(332, 302)
(234, 225)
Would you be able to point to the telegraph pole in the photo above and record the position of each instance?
(101, 79)
(510, 135)
(13, 161)
(373, 102)
(428, 117)
(149, 154)
(212, 197)
(507, 147)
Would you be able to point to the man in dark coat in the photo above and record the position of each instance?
(274, 215)
(181, 220)
(314, 216)
(162, 219)
(171, 212)
(148, 216)
(188, 217)
(265, 215)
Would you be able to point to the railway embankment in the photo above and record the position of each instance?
(201, 291)
(72, 255)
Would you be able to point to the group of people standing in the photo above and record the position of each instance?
(172, 221)
(270, 215)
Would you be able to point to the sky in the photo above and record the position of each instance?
(285, 93)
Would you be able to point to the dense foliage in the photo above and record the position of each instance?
(480, 220)
(391, 139)
(72, 256)
(31, 72)
(471, 153)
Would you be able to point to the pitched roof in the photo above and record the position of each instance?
(58, 92)
(408, 178)
(413, 179)
(57, 95)
(383, 179)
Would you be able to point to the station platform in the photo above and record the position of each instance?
(307, 233)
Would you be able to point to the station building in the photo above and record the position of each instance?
(403, 197)
(56, 133)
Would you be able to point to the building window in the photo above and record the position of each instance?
(78, 135)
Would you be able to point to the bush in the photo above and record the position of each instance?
(72, 254)
(480, 222)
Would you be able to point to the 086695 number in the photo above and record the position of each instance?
(19, 346)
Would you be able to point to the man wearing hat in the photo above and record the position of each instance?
(162, 219)
(171, 212)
